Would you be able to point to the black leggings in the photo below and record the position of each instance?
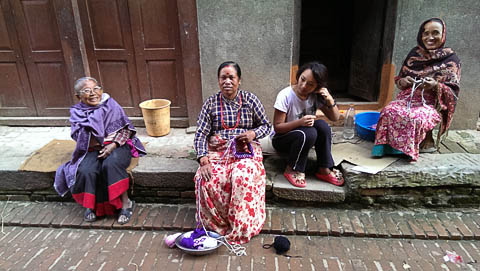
(298, 142)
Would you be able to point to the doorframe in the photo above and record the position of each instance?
(387, 82)
(188, 29)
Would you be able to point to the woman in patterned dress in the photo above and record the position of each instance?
(429, 83)
(230, 188)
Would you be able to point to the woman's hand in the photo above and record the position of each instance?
(246, 137)
(405, 82)
(429, 83)
(326, 96)
(107, 150)
(307, 120)
(205, 168)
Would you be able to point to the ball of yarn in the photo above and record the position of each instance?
(170, 239)
(281, 244)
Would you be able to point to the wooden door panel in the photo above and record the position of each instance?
(15, 95)
(106, 30)
(4, 37)
(158, 52)
(38, 30)
(108, 42)
(41, 26)
(11, 94)
(157, 17)
(54, 80)
(114, 77)
(163, 80)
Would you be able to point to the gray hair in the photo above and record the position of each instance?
(80, 83)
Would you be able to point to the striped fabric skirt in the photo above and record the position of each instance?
(100, 183)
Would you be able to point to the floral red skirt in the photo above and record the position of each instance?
(405, 129)
(232, 203)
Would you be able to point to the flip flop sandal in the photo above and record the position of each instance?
(127, 213)
(90, 215)
(293, 178)
(336, 179)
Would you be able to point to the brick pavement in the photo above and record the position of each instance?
(38, 248)
(52, 236)
(406, 224)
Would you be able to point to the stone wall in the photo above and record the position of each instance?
(255, 34)
(461, 18)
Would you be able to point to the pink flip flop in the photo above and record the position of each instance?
(292, 177)
(336, 178)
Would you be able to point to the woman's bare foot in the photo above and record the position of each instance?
(428, 142)
(324, 171)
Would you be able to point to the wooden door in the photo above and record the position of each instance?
(15, 93)
(135, 51)
(39, 35)
(158, 52)
(365, 65)
(109, 48)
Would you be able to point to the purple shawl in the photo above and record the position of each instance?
(87, 121)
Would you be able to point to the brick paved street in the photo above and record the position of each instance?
(38, 248)
(52, 236)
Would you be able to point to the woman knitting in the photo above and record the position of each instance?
(230, 182)
(429, 82)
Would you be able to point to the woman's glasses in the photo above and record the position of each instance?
(89, 91)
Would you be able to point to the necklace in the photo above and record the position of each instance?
(238, 114)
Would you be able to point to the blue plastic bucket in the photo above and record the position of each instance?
(365, 124)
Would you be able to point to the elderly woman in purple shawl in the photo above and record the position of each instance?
(96, 175)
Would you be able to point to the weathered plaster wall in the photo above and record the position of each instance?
(463, 36)
(256, 34)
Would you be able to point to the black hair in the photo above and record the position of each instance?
(230, 63)
(319, 71)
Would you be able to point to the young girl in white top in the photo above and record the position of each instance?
(297, 131)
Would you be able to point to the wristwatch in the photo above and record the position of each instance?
(333, 105)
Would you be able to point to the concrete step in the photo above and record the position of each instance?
(315, 191)
(435, 180)
(166, 174)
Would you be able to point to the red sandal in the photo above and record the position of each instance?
(293, 177)
(336, 178)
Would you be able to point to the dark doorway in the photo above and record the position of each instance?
(347, 36)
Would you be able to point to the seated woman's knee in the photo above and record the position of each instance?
(87, 172)
(113, 160)
(310, 135)
(322, 127)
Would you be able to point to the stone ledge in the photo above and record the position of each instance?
(315, 191)
(430, 170)
(25, 180)
(164, 172)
